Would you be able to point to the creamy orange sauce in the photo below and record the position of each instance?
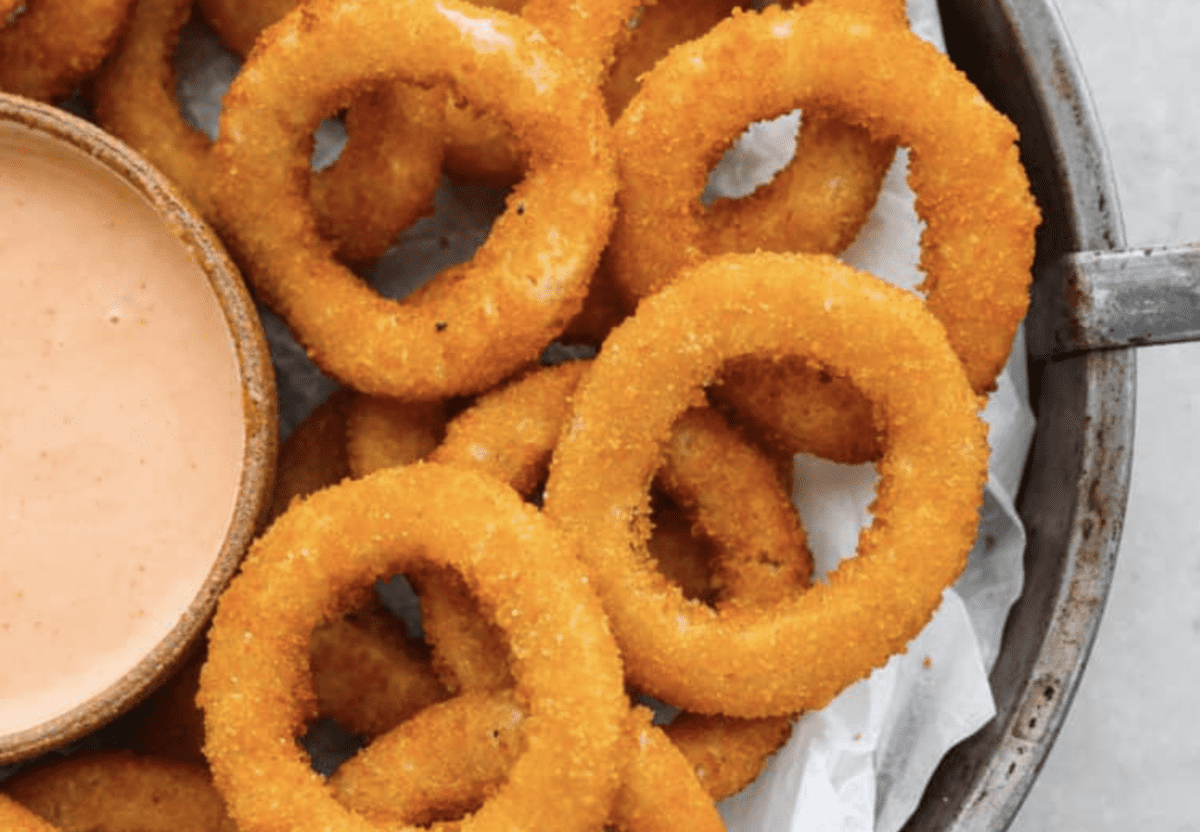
(121, 428)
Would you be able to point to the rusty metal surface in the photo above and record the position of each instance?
(1102, 299)
(1076, 484)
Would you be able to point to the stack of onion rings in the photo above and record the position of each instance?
(510, 433)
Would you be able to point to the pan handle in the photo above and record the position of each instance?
(1103, 299)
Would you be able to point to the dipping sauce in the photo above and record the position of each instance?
(122, 429)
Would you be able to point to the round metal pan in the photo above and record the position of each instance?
(1092, 301)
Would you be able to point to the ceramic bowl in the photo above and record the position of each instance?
(128, 680)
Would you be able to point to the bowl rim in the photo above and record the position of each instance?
(259, 407)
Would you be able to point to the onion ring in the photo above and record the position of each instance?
(706, 462)
(816, 203)
(314, 455)
(462, 749)
(480, 148)
(239, 22)
(383, 181)
(382, 432)
(660, 26)
(117, 790)
(964, 163)
(654, 366)
(658, 792)
(51, 47)
(368, 675)
(321, 555)
(792, 408)
(726, 754)
(522, 285)
(16, 818)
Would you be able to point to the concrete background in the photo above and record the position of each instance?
(1128, 756)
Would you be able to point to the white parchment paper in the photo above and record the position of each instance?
(861, 763)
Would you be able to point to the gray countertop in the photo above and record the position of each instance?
(1128, 756)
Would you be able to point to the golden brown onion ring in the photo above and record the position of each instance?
(793, 408)
(16, 818)
(383, 181)
(484, 728)
(314, 455)
(368, 675)
(381, 432)
(522, 285)
(239, 22)
(121, 792)
(323, 555)
(800, 653)
(54, 45)
(972, 193)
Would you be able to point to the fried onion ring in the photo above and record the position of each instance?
(321, 555)
(522, 285)
(658, 791)
(972, 193)
(480, 147)
(793, 409)
(314, 455)
(239, 22)
(53, 45)
(383, 181)
(654, 366)
(660, 26)
(382, 432)
(122, 792)
(16, 818)
(368, 675)
(462, 749)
